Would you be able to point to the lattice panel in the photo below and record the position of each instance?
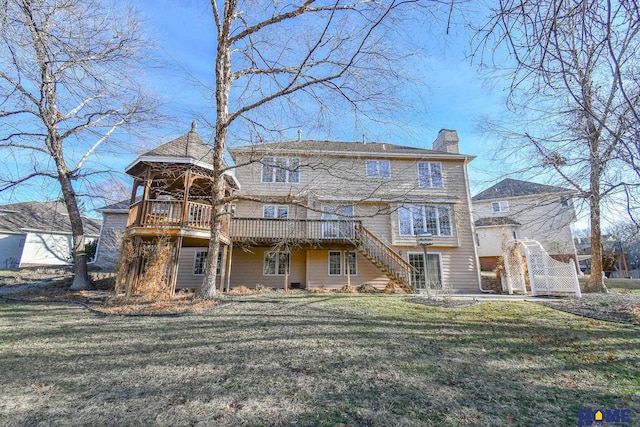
(548, 275)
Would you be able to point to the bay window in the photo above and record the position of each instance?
(417, 219)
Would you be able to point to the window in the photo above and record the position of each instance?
(200, 261)
(335, 263)
(430, 174)
(351, 264)
(416, 219)
(343, 228)
(378, 169)
(280, 169)
(502, 206)
(276, 263)
(434, 276)
(564, 202)
(275, 211)
(343, 263)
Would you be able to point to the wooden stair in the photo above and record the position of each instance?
(387, 260)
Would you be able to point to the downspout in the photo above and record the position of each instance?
(473, 231)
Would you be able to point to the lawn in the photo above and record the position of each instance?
(623, 286)
(308, 359)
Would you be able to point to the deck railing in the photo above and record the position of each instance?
(300, 230)
(384, 256)
(169, 213)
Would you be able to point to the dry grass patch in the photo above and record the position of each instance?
(320, 290)
(243, 290)
(346, 289)
(182, 302)
(314, 359)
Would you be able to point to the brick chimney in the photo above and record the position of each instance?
(447, 141)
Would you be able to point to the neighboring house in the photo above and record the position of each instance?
(518, 210)
(38, 234)
(114, 222)
(314, 213)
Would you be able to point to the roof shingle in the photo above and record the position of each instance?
(377, 148)
(189, 145)
(516, 188)
(41, 216)
(501, 220)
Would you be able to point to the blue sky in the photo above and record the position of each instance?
(452, 94)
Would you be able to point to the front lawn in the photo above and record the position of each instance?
(306, 359)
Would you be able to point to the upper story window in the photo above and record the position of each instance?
(275, 211)
(502, 206)
(378, 169)
(564, 202)
(280, 169)
(416, 219)
(430, 174)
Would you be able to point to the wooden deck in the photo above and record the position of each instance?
(193, 221)
(171, 217)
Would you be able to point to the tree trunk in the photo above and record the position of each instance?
(223, 86)
(80, 276)
(596, 280)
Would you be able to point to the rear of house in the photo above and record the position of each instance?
(309, 214)
(329, 214)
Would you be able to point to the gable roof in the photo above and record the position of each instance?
(49, 217)
(516, 188)
(122, 205)
(495, 221)
(377, 149)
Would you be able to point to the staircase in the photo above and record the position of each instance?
(396, 268)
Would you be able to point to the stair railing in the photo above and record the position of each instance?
(383, 255)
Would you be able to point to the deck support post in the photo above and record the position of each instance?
(135, 268)
(228, 269)
(173, 266)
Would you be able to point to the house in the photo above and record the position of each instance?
(114, 223)
(314, 213)
(518, 210)
(38, 234)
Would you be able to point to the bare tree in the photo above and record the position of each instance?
(67, 85)
(278, 57)
(624, 238)
(573, 91)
